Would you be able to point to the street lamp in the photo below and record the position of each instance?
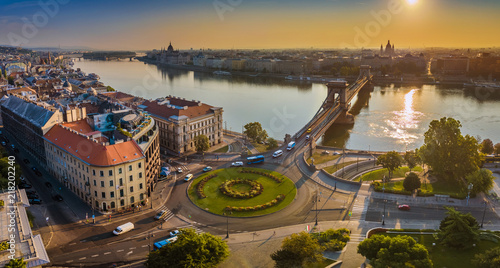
(484, 212)
(227, 223)
(385, 200)
(468, 192)
(316, 208)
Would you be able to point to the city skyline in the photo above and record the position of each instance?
(224, 24)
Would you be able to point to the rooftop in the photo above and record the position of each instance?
(176, 107)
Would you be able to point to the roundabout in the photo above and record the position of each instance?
(242, 192)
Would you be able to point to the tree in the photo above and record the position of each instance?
(487, 146)
(497, 148)
(489, 259)
(411, 159)
(202, 143)
(271, 143)
(297, 250)
(255, 132)
(458, 230)
(191, 250)
(411, 182)
(447, 152)
(16, 263)
(391, 161)
(400, 251)
(482, 180)
(110, 89)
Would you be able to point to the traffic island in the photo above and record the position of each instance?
(243, 192)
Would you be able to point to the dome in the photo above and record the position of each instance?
(170, 47)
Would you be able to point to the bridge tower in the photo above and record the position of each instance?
(364, 71)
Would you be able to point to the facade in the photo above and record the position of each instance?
(109, 173)
(171, 56)
(453, 65)
(180, 121)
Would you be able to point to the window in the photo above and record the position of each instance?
(93, 172)
(139, 165)
(130, 168)
(131, 178)
(141, 197)
(95, 183)
(102, 183)
(111, 183)
(112, 204)
(122, 202)
(103, 195)
(140, 186)
(95, 193)
(110, 172)
(132, 200)
(120, 171)
(112, 194)
(131, 189)
(87, 169)
(121, 192)
(101, 173)
(121, 182)
(140, 175)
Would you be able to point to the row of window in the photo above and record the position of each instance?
(121, 193)
(120, 181)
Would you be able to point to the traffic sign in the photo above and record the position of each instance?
(350, 213)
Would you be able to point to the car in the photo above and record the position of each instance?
(278, 153)
(174, 233)
(237, 164)
(13, 146)
(25, 186)
(404, 207)
(48, 184)
(58, 197)
(35, 201)
(309, 130)
(4, 143)
(335, 153)
(31, 192)
(26, 161)
(32, 196)
(37, 172)
(207, 168)
(179, 170)
(188, 177)
(160, 214)
(308, 137)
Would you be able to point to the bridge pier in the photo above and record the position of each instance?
(345, 118)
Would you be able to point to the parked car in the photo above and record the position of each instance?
(237, 164)
(188, 177)
(174, 233)
(4, 143)
(35, 201)
(404, 207)
(207, 168)
(160, 214)
(308, 137)
(25, 186)
(278, 153)
(48, 184)
(31, 192)
(26, 161)
(179, 170)
(37, 172)
(58, 197)
(32, 196)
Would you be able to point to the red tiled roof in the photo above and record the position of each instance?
(81, 126)
(91, 152)
(192, 111)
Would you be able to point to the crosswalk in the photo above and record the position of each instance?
(359, 209)
(169, 213)
(356, 238)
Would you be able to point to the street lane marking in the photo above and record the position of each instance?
(93, 256)
(132, 248)
(106, 253)
(69, 261)
(143, 246)
(130, 252)
(74, 243)
(82, 258)
(120, 250)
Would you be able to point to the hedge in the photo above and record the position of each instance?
(276, 179)
(271, 203)
(201, 184)
(257, 188)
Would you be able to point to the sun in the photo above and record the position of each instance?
(412, 2)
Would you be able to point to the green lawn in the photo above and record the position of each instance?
(441, 186)
(222, 150)
(215, 201)
(442, 256)
(332, 169)
(260, 147)
(320, 158)
(379, 174)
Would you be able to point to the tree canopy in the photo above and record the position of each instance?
(488, 259)
(400, 251)
(482, 180)
(497, 148)
(411, 182)
(191, 250)
(271, 143)
(202, 143)
(16, 263)
(255, 132)
(458, 230)
(391, 161)
(297, 250)
(447, 152)
(411, 158)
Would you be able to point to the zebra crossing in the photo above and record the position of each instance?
(356, 238)
(169, 213)
(359, 209)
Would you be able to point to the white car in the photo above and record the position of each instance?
(278, 153)
(179, 170)
(188, 177)
(237, 164)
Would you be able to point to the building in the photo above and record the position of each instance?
(199, 60)
(453, 65)
(389, 49)
(27, 122)
(171, 56)
(180, 121)
(113, 172)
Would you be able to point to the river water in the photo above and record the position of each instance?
(388, 118)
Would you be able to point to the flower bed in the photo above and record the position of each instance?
(201, 184)
(257, 188)
(271, 203)
(276, 179)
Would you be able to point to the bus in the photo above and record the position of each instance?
(290, 146)
(162, 243)
(255, 159)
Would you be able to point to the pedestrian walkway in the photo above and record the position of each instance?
(168, 214)
(359, 208)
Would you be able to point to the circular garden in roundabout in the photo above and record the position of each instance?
(242, 192)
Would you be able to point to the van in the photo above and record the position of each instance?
(123, 228)
(290, 145)
(278, 153)
(188, 177)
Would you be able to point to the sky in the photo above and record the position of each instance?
(249, 24)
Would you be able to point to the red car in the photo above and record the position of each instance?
(404, 207)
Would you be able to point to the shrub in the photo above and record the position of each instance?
(334, 245)
(201, 184)
(2, 203)
(4, 245)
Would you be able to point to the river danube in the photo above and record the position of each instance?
(388, 118)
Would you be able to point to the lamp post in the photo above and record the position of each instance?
(484, 212)
(385, 200)
(227, 223)
(468, 192)
(316, 207)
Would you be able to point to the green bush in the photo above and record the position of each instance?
(2, 203)
(4, 245)
(334, 245)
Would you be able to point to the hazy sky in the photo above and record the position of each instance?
(148, 24)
